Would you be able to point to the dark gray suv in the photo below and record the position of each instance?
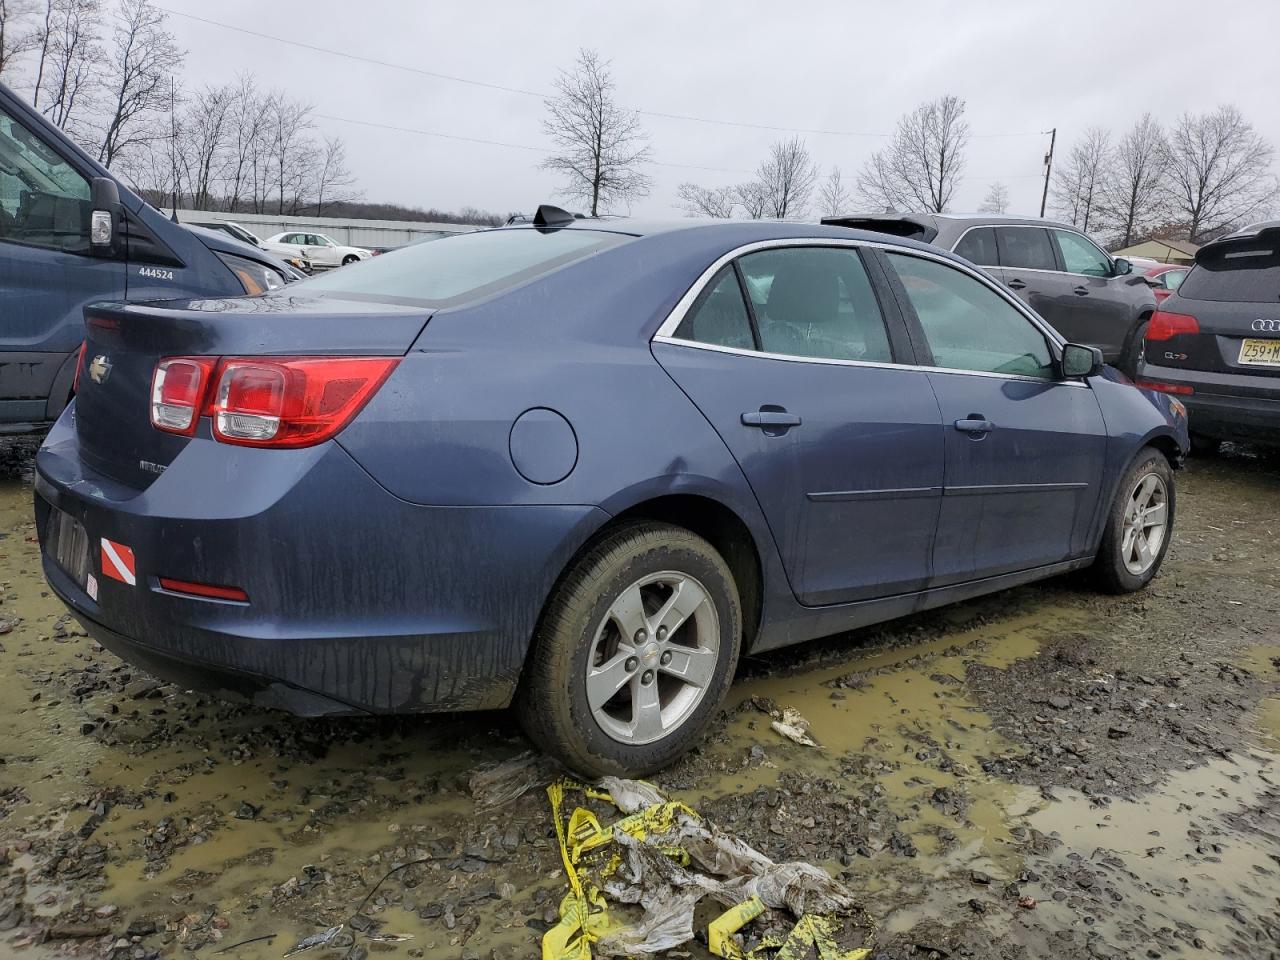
(1088, 296)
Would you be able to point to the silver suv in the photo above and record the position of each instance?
(1087, 295)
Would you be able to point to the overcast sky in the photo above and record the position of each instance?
(1023, 66)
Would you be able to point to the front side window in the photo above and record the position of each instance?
(44, 202)
(1026, 247)
(1080, 255)
(979, 246)
(967, 325)
(1173, 279)
(719, 316)
(815, 302)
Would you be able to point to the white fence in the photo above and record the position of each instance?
(360, 233)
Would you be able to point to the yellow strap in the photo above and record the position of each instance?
(721, 930)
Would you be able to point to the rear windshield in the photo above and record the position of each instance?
(1247, 272)
(462, 267)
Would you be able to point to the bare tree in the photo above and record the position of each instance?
(1078, 181)
(921, 166)
(246, 121)
(332, 175)
(996, 200)
(141, 56)
(70, 64)
(18, 32)
(292, 152)
(717, 202)
(752, 198)
(786, 179)
(1134, 193)
(833, 195)
(599, 145)
(1219, 171)
(205, 128)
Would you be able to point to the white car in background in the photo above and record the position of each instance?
(322, 251)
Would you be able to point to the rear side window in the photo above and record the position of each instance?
(719, 316)
(1079, 255)
(1241, 271)
(463, 267)
(1026, 247)
(979, 246)
(44, 202)
(1173, 279)
(815, 302)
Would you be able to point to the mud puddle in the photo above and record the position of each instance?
(988, 780)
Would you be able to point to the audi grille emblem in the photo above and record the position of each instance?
(1267, 326)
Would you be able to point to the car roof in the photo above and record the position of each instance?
(728, 231)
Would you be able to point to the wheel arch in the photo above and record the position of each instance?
(708, 517)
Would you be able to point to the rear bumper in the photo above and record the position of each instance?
(358, 601)
(1226, 406)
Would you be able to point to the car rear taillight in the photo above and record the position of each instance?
(1165, 325)
(1180, 389)
(178, 387)
(292, 401)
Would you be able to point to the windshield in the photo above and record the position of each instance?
(463, 267)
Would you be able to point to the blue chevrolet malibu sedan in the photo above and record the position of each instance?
(579, 467)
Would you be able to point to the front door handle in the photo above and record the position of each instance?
(1016, 284)
(1081, 291)
(771, 418)
(975, 425)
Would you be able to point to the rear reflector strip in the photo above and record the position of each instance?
(207, 590)
(1180, 389)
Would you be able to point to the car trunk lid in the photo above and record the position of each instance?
(124, 343)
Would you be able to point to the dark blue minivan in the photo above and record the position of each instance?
(70, 235)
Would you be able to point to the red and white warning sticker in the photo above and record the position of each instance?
(118, 562)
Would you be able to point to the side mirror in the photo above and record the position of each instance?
(104, 216)
(1080, 361)
(1122, 267)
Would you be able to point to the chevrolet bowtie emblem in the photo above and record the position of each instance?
(99, 368)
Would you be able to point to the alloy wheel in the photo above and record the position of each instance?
(1146, 522)
(652, 657)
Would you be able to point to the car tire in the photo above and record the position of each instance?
(580, 652)
(1127, 557)
(350, 258)
(1135, 349)
(1202, 446)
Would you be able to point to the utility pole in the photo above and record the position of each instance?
(173, 149)
(1048, 168)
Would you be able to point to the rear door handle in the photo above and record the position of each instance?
(1081, 291)
(975, 425)
(771, 418)
(1017, 284)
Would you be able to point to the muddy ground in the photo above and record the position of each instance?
(1048, 772)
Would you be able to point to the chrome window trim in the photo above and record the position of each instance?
(1037, 226)
(666, 330)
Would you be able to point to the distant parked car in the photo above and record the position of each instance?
(322, 251)
(1164, 278)
(1215, 341)
(1088, 296)
(233, 229)
(705, 439)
